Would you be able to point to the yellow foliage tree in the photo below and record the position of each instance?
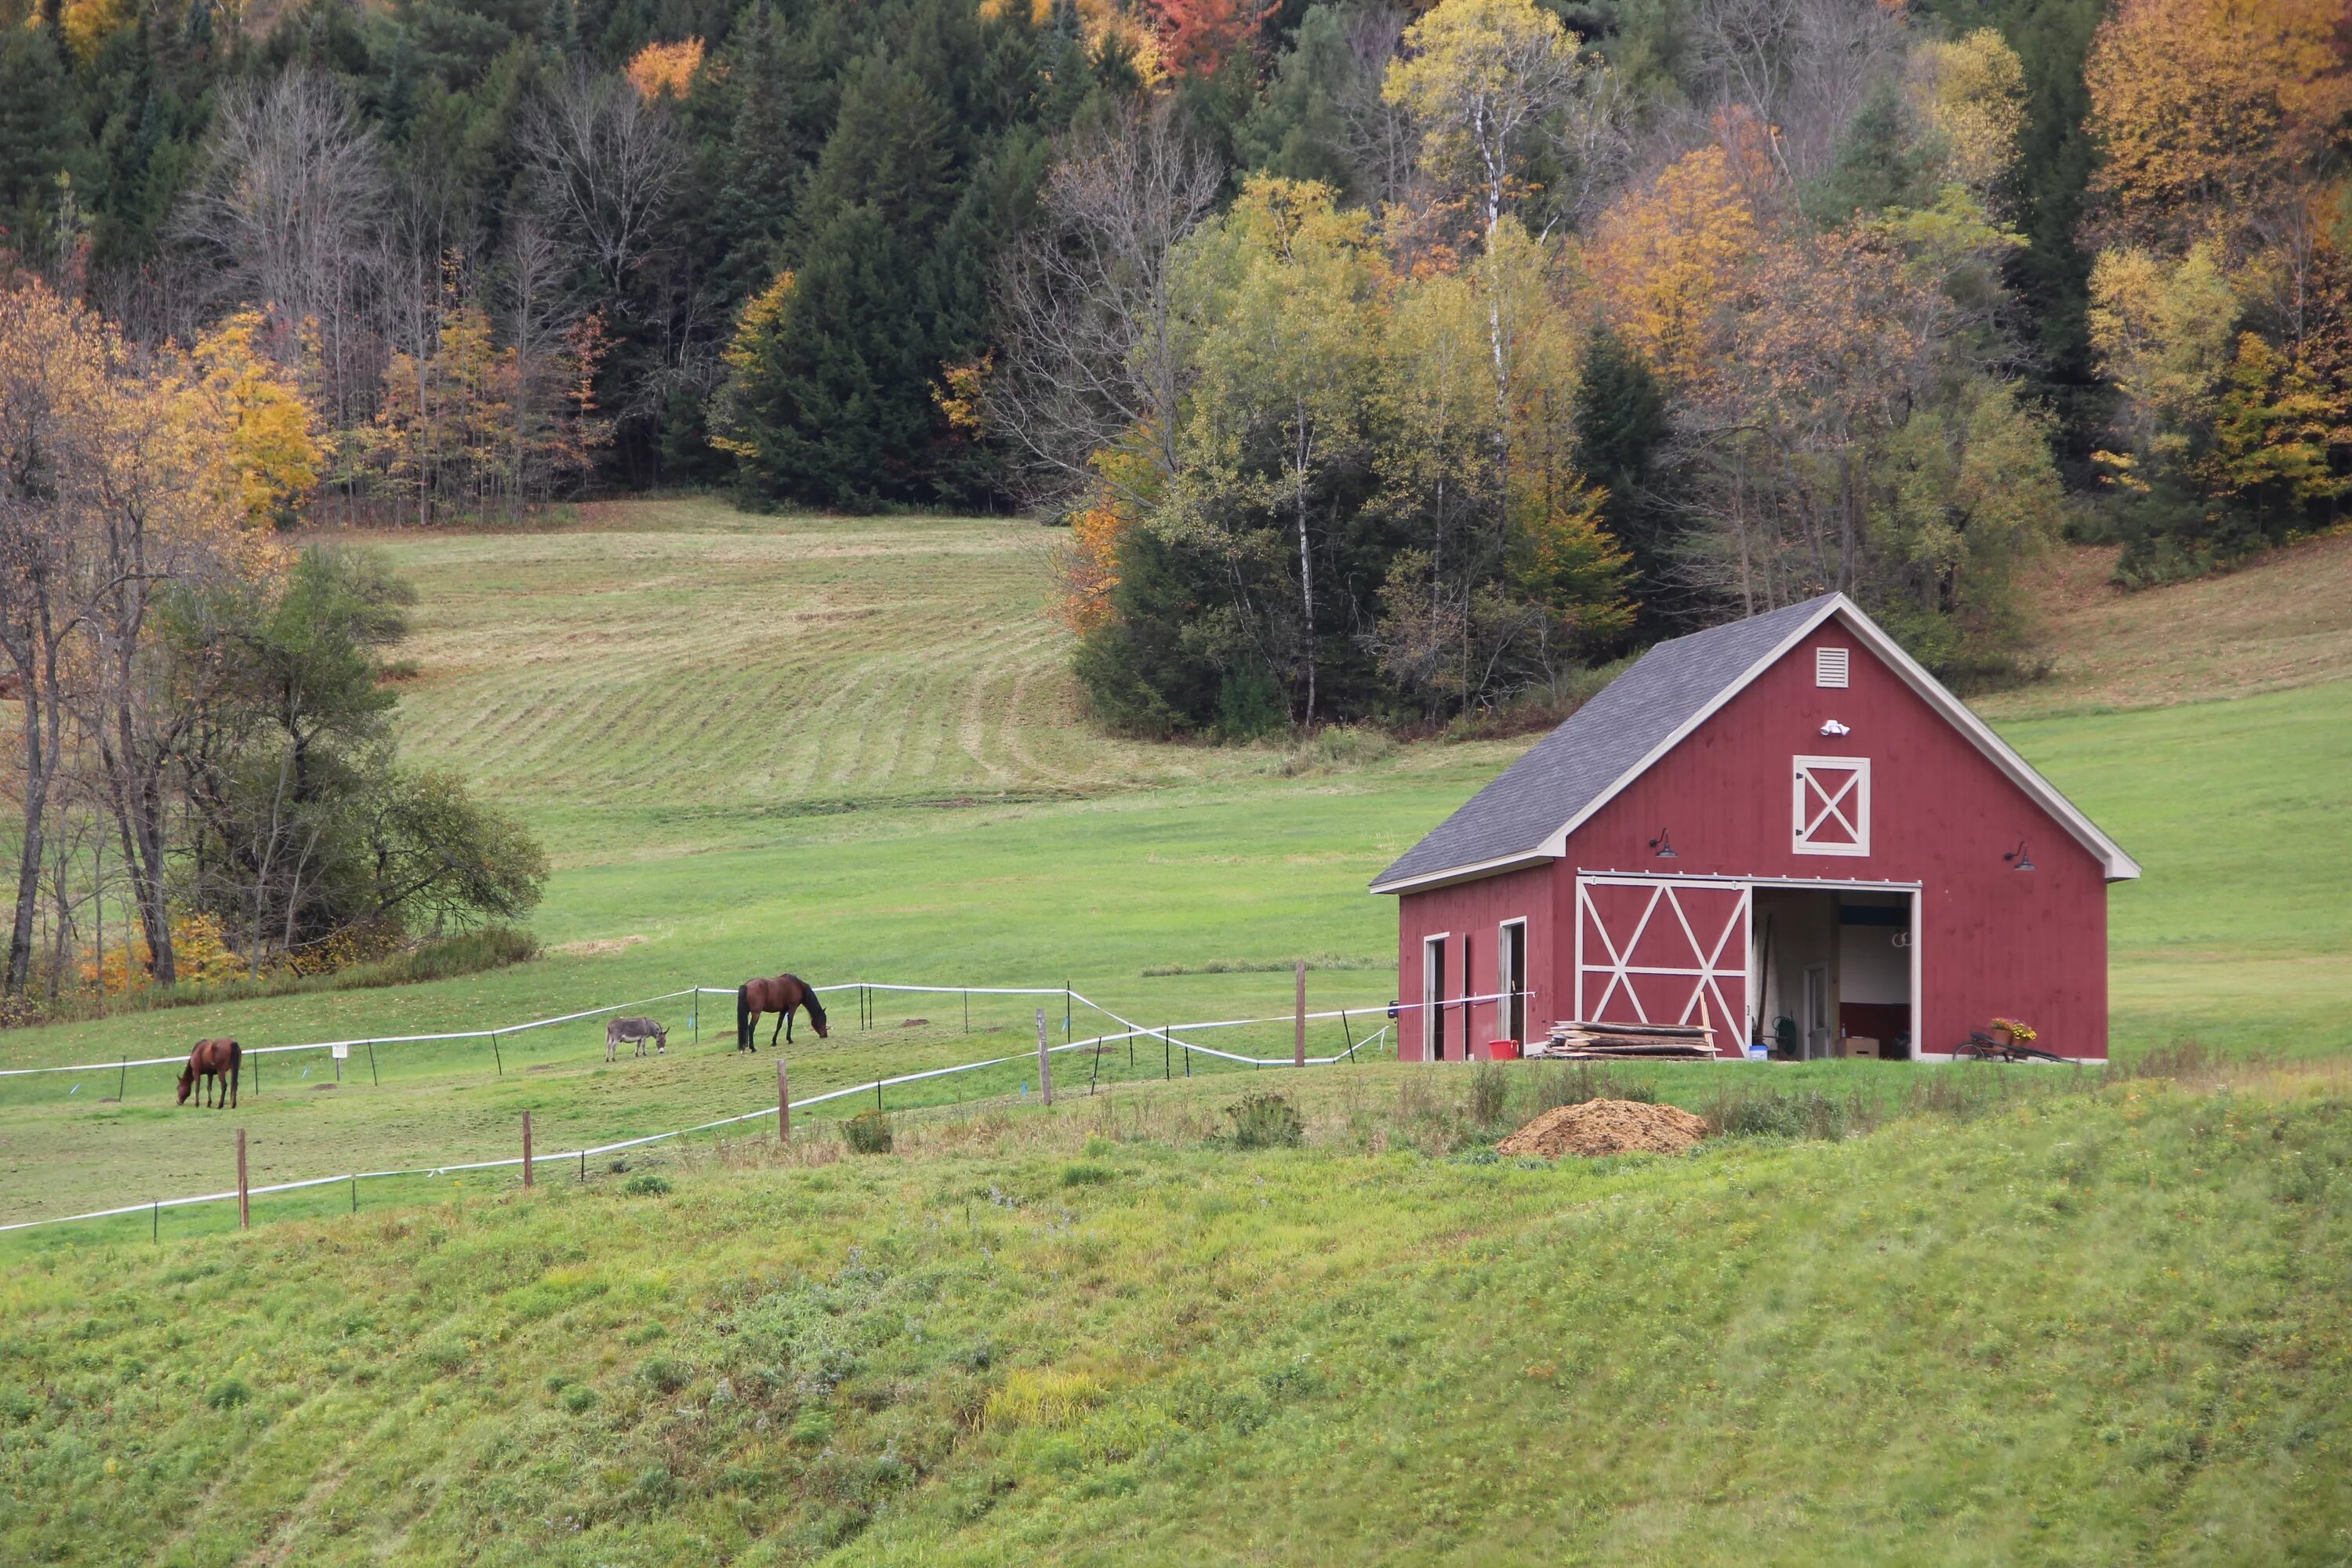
(1972, 89)
(272, 442)
(1479, 77)
(2201, 106)
(1669, 261)
(447, 427)
(2162, 331)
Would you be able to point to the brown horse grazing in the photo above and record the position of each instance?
(217, 1062)
(781, 996)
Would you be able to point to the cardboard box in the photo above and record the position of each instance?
(1858, 1045)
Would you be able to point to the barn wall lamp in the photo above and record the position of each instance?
(2018, 859)
(1834, 728)
(1663, 845)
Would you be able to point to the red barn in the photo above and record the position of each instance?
(1784, 828)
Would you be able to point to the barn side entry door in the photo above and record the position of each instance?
(1655, 951)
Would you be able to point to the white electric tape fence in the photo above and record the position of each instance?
(1127, 1031)
(1388, 1009)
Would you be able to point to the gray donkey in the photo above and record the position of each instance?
(638, 1029)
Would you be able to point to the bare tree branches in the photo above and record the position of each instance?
(1092, 360)
(292, 194)
(609, 162)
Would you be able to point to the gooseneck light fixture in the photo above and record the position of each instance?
(1663, 845)
(2018, 859)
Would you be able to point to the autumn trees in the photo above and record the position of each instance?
(1541, 361)
(2220, 291)
(167, 662)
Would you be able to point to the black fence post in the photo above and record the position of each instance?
(371, 1076)
(496, 1057)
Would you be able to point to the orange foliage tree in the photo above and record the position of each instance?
(1198, 36)
(665, 68)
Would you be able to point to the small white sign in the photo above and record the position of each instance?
(342, 1053)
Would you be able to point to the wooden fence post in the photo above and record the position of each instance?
(1298, 1034)
(1044, 1063)
(244, 1204)
(783, 1105)
(526, 1152)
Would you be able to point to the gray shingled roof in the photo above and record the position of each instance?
(1570, 768)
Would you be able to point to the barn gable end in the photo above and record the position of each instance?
(1526, 814)
(1670, 852)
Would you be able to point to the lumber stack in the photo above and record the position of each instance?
(1575, 1040)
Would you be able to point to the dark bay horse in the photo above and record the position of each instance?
(218, 1063)
(781, 996)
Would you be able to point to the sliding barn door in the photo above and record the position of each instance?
(1652, 952)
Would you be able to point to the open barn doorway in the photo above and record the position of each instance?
(1835, 975)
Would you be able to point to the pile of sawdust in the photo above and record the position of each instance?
(1606, 1127)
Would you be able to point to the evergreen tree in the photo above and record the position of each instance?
(2051, 275)
(1296, 130)
(1621, 421)
(761, 161)
(40, 136)
(830, 397)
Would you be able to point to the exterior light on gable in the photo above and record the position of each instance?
(1663, 845)
(1834, 728)
(2018, 857)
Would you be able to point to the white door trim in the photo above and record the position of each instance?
(1432, 1008)
(1518, 977)
(1708, 976)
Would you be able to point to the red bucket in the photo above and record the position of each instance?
(1502, 1050)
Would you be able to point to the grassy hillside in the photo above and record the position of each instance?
(674, 675)
(2281, 621)
(2055, 1329)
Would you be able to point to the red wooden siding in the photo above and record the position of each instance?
(1993, 940)
(1476, 910)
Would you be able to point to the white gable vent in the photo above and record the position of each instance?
(1829, 667)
